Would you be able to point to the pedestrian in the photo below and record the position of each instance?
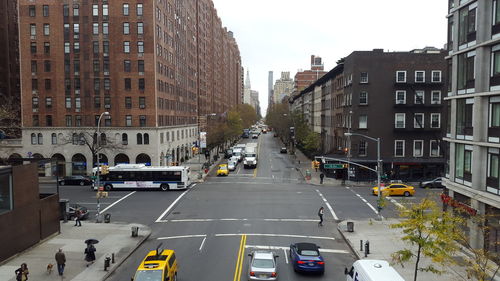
(321, 177)
(78, 216)
(61, 261)
(90, 254)
(321, 212)
(22, 272)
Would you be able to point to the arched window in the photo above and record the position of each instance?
(75, 138)
(146, 138)
(103, 139)
(82, 139)
(33, 138)
(124, 139)
(54, 138)
(139, 138)
(40, 138)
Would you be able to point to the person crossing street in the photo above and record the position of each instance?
(321, 212)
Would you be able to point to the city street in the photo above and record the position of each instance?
(269, 207)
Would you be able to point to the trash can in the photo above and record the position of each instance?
(308, 175)
(135, 231)
(107, 218)
(350, 226)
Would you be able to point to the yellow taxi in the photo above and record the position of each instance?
(158, 265)
(223, 170)
(395, 189)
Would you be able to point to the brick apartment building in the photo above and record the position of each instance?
(305, 78)
(157, 67)
(396, 97)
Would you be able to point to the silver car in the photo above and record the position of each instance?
(232, 165)
(263, 266)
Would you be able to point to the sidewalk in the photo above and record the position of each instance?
(384, 241)
(113, 238)
(196, 166)
(304, 164)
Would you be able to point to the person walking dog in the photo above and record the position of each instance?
(321, 212)
(61, 261)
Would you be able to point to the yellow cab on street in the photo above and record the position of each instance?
(395, 189)
(158, 265)
(223, 170)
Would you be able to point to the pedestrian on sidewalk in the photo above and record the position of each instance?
(78, 216)
(61, 261)
(90, 254)
(22, 272)
(321, 177)
(321, 212)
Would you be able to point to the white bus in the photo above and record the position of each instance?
(140, 176)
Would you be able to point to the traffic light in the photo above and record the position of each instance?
(104, 169)
(345, 165)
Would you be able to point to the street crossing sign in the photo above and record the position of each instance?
(334, 166)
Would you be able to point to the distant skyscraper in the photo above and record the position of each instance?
(283, 87)
(246, 91)
(270, 89)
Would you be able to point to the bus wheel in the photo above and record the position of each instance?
(164, 187)
(108, 187)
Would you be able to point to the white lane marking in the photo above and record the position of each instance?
(181, 236)
(93, 203)
(286, 256)
(328, 205)
(234, 219)
(274, 235)
(202, 242)
(396, 203)
(366, 202)
(116, 202)
(286, 248)
(171, 206)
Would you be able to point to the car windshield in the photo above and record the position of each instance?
(263, 263)
(148, 275)
(250, 155)
(309, 253)
(223, 168)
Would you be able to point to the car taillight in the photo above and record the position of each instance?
(301, 262)
(252, 273)
(320, 262)
(273, 274)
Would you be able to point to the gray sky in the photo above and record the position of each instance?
(281, 35)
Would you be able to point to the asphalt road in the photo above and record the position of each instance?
(267, 207)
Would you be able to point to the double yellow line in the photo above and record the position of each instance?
(241, 254)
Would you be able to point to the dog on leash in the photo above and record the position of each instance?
(49, 268)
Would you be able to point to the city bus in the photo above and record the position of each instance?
(140, 176)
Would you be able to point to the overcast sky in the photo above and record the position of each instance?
(281, 35)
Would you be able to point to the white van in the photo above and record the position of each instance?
(372, 270)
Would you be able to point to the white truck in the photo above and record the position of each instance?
(251, 157)
(372, 270)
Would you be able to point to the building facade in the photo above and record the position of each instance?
(283, 87)
(396, 97)
(304, 78)
(270, 94)
(10, 91)
(473, 135)
(157, 68)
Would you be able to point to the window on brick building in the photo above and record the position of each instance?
(128, 84)
(32, 10)
(128, 102)
(45, 10)
(126, 9)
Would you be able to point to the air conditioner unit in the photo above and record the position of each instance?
(400, 102)
(77, 91)
(33, 73)
(33, 37)
(140, 55)
(105, 54)
(107, 106)
(77, 73)
(35, 109)
(76, 36)
(106, 72)
(34, 92)
(141, 73)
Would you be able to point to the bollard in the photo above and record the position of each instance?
(361, 245)
(135, 231)
(367, 248)
(107, 263)
(113, 258)
(107, 218)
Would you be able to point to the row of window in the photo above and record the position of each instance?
(418, 148)
(35, 102)
(400, 97)
(400, 121)
(401, 76)
(141, 84)
(76, 121)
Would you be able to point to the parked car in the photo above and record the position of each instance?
(262, 266)
(223, 170)
(231, 166)
(84, 212)
(307, 258)
(435, 183)
(395, 189)
(283, 150)
(75, 180)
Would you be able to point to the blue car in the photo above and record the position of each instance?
(305, 257)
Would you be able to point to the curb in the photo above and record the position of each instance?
(119, 263)
(348, 242)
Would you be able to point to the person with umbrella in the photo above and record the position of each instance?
(90, 251)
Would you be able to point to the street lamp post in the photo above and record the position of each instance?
(379, 169)
(98, 216)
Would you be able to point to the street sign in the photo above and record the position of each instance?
(334, 166)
